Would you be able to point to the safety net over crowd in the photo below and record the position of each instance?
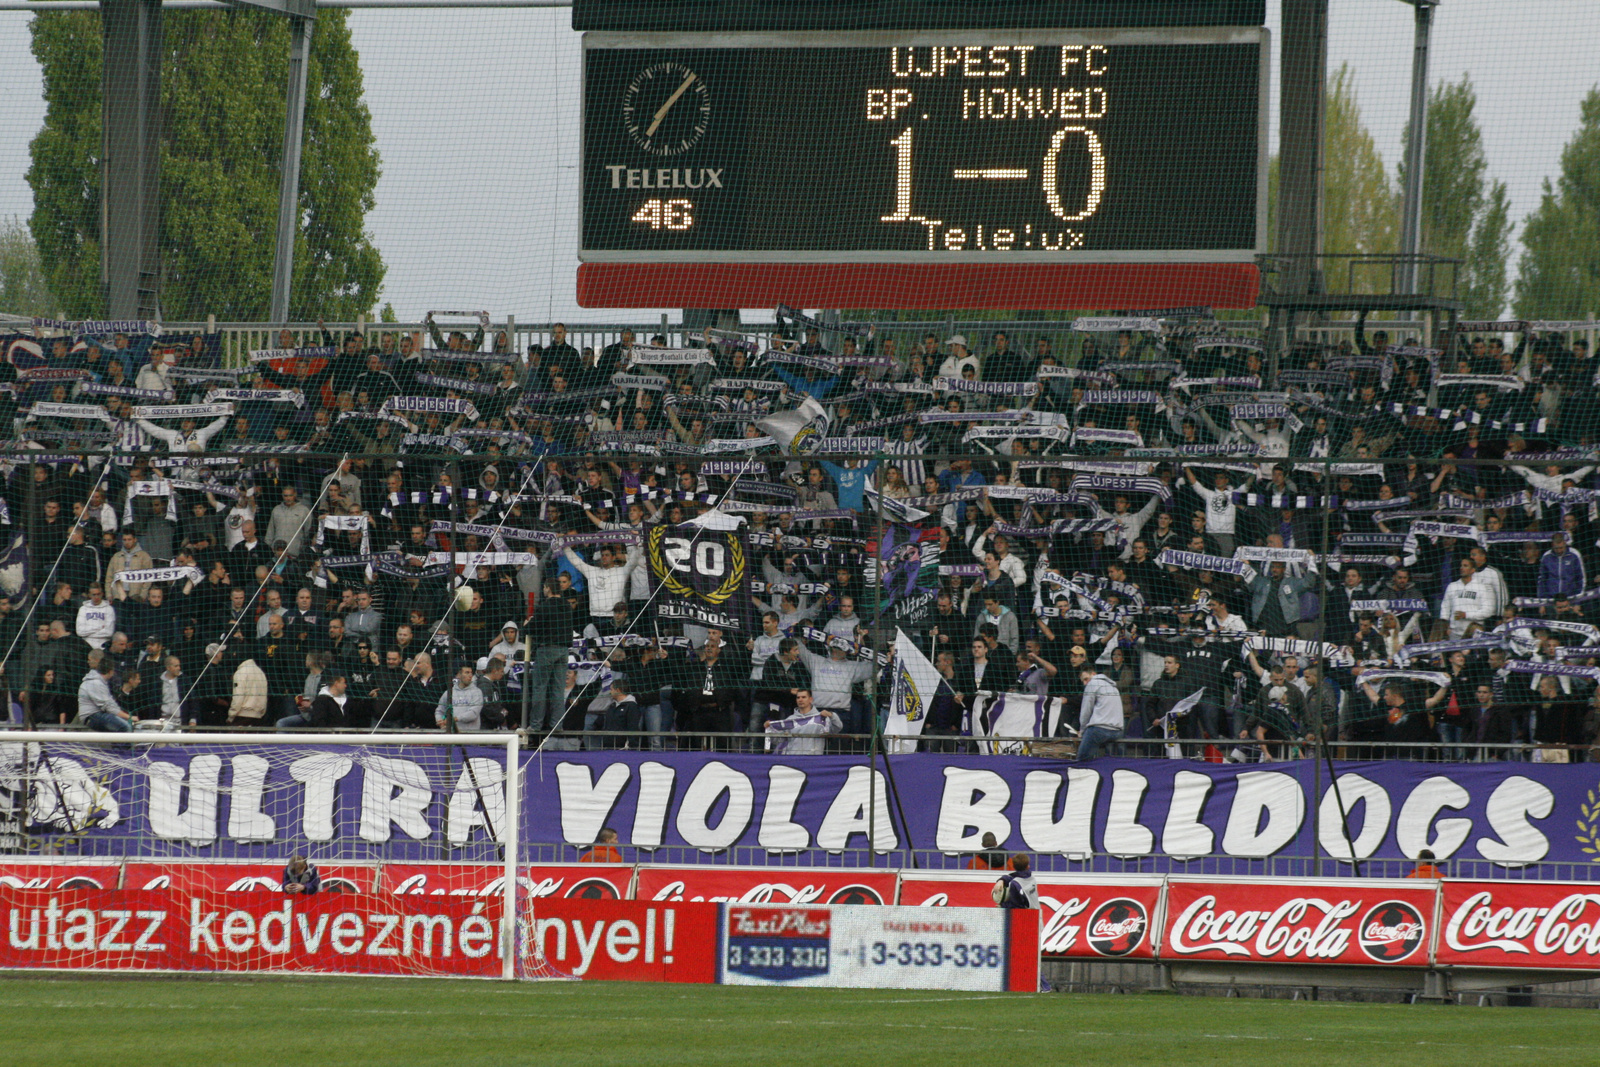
(806, 530)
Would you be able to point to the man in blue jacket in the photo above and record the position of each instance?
(1561, 569)
(301, 878)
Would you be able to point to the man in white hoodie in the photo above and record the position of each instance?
(608, 579)
(509, 647)
(97, 619)
(1468, 603)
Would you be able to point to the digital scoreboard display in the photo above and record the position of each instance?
(1022, 146)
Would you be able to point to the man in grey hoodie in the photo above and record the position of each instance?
(461, 707)
(97, 708)
(1100, 717)
(289, 521)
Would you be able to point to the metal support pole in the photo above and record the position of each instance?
(511, 839)
(1303, 89)
(1416, 148)
(289, 178)
(130, 189)
(455, 547)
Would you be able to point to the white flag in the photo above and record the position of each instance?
(915, 683)
(799, 430)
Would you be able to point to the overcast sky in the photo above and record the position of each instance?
(476, 116)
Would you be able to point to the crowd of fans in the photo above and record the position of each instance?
(1347, 546)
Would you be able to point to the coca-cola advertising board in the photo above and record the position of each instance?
(1332, 921)
(764, 885)
(626, 940)
(589, 881)
(1084, 916)
(331, 933)
(185, 876)
(1520, 924)
(82, 875)
(984, 950)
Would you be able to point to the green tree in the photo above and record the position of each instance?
(1463, 210)
(1360, 208)
(23, 290)
(223, 76)
(1559, 275)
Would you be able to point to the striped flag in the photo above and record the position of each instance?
(1012, 715)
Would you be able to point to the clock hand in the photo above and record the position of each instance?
(673, 99)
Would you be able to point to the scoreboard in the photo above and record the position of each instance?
(976, 146)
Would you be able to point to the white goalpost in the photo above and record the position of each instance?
(205, 817)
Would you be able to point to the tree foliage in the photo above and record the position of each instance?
(1463, 210)
(23, 290)
(223, 78)
(1360, 208)
(1559, 276)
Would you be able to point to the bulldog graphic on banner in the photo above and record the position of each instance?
(703, 570)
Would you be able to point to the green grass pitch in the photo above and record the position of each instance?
(393, 1022)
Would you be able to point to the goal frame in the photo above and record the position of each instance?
(511, 743)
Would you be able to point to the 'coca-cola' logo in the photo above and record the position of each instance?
(764, 893)
(593, 889)
(856, 894)
(1391, 931)
(1546, 931)
(1118, 927)
(1059, 933)
(1304, 927)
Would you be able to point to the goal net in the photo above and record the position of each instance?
(182, 852)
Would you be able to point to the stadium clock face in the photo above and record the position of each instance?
(666, 109)
(1038, 145)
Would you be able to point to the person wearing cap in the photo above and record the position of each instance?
(154, 651)
(509, 647)
(958, 359)
(327, 710)
(1070, 684)
(1100, 715)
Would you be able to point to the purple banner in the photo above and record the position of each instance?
(390, 802)
(1161, 813)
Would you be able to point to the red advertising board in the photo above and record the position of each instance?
(767, 885)
(1348, 921)
(60, 875)
(186, 877)
(946, 285)
(1520, 924)
(1088, 917)
(332, 933)
(590, 881)
(627, 940)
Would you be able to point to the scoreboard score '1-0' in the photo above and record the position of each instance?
(1045, 146)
